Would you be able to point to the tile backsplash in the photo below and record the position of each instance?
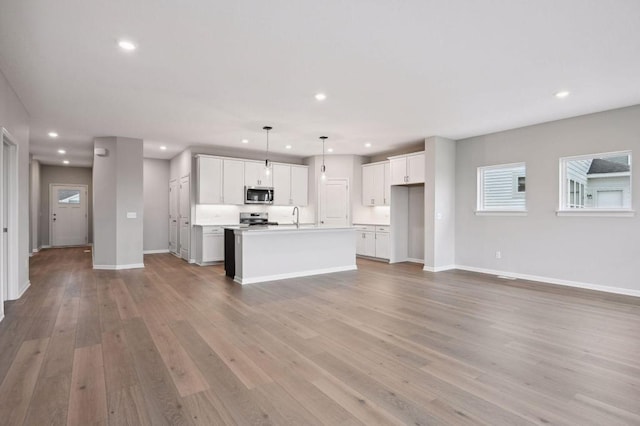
(208, 214)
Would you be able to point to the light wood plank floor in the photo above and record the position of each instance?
(389, 344)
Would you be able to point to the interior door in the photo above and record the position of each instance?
(184, 200)
(4, 214)
(68, 223)
(334, 202)
(173, 216)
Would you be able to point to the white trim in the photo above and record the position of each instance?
(119, 267)
(1, 316)
(156, 251)
(596, 213)
(501, 212)
(438, 268)
(45, 247)
(26, 287)
(264, 278)
(13, 260)
(35, 250)
(414, 260)
(556, 281)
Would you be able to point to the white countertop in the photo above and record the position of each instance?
(290, 228)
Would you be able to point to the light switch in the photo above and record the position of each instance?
(132, 215)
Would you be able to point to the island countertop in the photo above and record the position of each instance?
(282, 228)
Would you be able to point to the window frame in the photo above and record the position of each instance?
(502, 211)
(563, 187)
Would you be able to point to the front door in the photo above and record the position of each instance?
(334, 202)
(185, 217)
(173, 217)
(68, 209)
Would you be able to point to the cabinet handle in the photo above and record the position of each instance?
(373, 201)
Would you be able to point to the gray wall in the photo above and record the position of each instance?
(439, 210)
(14, 117)
(118, 189)
(34, 205)
(590, 250)
(66, 175)
(156, 204)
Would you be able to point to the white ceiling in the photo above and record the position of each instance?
(214, 72)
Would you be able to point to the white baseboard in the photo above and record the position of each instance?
(414, 260)
(556, 281)
(119, 267)
(1, 317)
(293, 275)
(155, 251)
(26, 287)
(35, 250)
(438, 268)
(45, 246)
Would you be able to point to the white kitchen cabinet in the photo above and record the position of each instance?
(407, 169)
(233, 181)
(387, 183)
(382, 242)
(374, 184)
(209, 244)
(220, 181)
(372, 241)
(290, 185)
(209, 184)
(255, 175)
(299, 185)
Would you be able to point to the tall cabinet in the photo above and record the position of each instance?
(376, 185)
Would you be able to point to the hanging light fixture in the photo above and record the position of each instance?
(267, 163)
(323, 169)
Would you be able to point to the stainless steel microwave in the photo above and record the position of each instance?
(258, 195)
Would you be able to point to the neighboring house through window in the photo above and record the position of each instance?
(592, 182)
(502, 188)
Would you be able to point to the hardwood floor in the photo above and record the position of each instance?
(387, 344)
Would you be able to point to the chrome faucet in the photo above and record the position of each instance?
(296, 211)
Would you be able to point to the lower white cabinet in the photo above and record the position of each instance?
(209, 244)
(372, 241)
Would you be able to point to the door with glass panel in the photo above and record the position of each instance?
(68, 215)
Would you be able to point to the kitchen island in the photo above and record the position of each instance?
(258, 254)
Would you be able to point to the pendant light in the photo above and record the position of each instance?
(323, 169)
(267, 163)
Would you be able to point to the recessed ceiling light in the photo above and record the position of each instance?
(321, 96)
(562, 94)
(288, 146)
(62, 151)
(245, 140)
(127, 45)
(53, 135)
(368, 144)
(330, 150)
(65, 162)
(164, 148)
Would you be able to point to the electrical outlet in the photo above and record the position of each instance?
(498, 255)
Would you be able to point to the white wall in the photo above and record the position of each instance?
(156, 205)
(15, 118)
(601, 251)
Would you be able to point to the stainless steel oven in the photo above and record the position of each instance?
(258, 195)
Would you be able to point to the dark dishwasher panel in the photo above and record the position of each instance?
(229, 253)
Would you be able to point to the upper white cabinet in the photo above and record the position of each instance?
(220, 181)
(254, 174)
(375, 184)
(290, 185)
(209, 171)
(407, 169)
(232, 181)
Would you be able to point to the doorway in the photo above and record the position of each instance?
(68, 221)
(9, 288)
(184, 201)
(173, 217)
(334, 202)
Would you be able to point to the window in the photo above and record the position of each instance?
(595, 182)
(502, 188)
(68, 196)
